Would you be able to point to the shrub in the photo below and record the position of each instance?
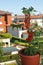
(7, 35)
(6, 58)
(9, 57)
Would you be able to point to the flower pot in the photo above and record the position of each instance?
(29, 60)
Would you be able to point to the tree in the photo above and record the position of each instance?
(27, 12)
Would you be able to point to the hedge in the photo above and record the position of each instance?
(13, 39)
(18, 39)
(9, 57)
(5, 35)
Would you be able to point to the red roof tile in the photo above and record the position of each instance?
(32, 16)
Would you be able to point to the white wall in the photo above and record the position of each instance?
(6, 40)
(39, 21)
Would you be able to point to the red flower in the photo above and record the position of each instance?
(30, 36)
(28, 39)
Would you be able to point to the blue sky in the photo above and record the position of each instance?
(15, 6)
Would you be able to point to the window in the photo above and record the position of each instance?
(21, 20)
(1, 29)
(0, 22)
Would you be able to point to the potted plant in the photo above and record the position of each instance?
(31, 54)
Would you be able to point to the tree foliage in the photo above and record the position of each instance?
(28, 10)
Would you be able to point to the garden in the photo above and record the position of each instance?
(32, 52)
(20, 42)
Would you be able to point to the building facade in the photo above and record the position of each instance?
(34, 18)
(5, 20)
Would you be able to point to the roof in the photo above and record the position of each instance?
(4, 12)
(32, 16)
(9, 49)
(19, 16)
(36, 16)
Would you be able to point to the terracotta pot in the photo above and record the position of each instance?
(29, 60)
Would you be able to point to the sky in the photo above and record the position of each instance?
(15, 6)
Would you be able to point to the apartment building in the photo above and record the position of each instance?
(5, 20)
(34, 18)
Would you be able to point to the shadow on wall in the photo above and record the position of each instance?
(14, 32)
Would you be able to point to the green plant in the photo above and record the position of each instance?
(5, 35)
(9, 57)
(32, 49)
